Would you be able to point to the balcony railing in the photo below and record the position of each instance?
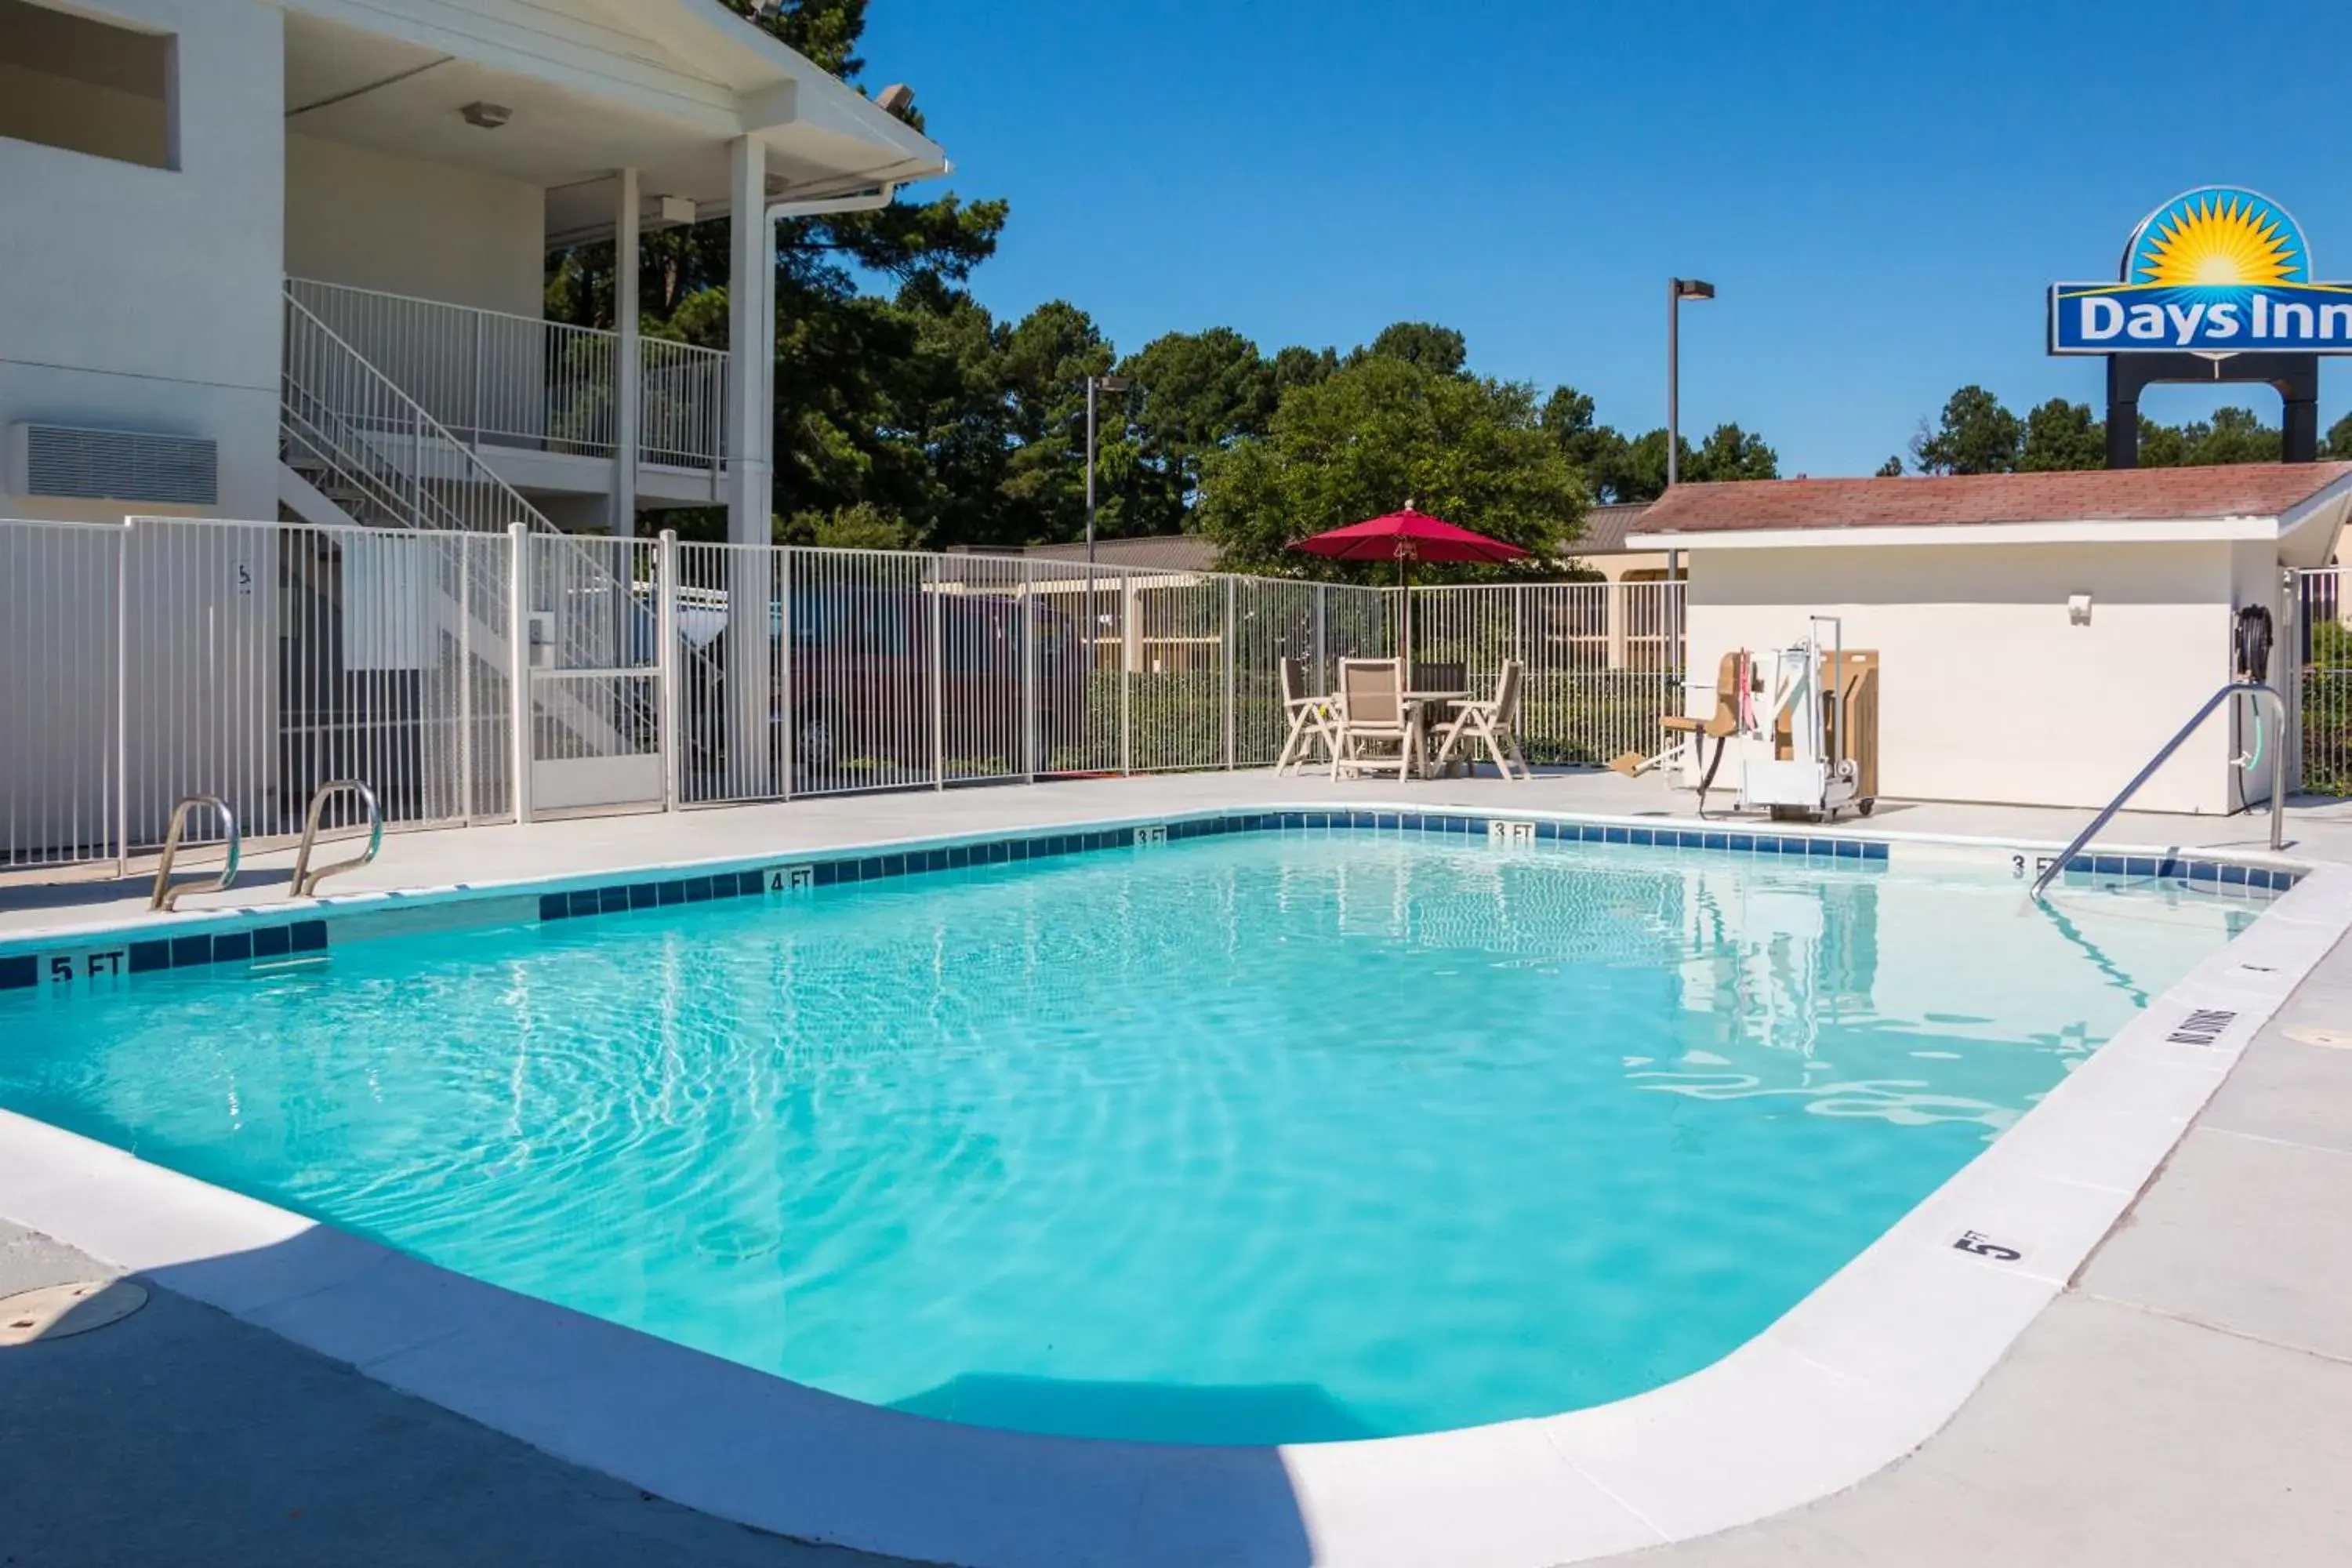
(502, 380)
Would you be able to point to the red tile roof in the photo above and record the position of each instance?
(2103, 495)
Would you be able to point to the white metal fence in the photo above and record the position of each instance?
(60, 638)
(257, 661)
(1604, 661)
(518, 380)
(2322, 674)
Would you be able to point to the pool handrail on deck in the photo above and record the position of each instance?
(2256, 688)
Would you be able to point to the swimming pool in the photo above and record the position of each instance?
(1247, 1139)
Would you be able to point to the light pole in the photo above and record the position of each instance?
(1678, 291)
(1097, 384)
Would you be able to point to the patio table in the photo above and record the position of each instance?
(1419, 706)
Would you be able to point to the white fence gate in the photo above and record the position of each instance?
(592, 612)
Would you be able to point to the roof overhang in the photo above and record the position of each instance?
(2167, 530)
(2305, 532)
(661, 86)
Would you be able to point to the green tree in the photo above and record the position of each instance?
(2060, 434)
(1195, 393)
(1975, 435)
(2238, 436)
(1432, 347)
(1890, 469)
(1296, 366)
(1596, 451)
(2162, 446)
(2339, 445)
(1374, 434)
(1730, 453)
(2231, 435)
(1041, 370)
(865, 526)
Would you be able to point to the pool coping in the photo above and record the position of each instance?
(1858, 1374)
(293, 931)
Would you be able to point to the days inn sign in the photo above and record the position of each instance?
(2215, 271)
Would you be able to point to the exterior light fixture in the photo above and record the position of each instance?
(1678, 291)
(485, 116)
(1095, 383)
(896, 99)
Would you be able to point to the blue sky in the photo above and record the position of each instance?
(1881, 191)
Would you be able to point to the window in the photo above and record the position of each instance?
(72, 81)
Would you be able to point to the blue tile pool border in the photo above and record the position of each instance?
(261, 942)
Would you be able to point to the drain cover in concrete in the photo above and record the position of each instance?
(2337, 1039)
(54, 1311)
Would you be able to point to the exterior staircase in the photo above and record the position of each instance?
(356, 451)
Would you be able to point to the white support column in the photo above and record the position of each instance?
(750, 421)
(751, 340)
(628, 371)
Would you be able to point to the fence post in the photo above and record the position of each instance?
(1128, 634)
(789, 705)
(475, 407)
(938, 678)
(464, 678)
(123, 696)
(1031, 720)
(1319, 635)
(519, 700)
(666, 658)
(2286, 772)
(1230, 643)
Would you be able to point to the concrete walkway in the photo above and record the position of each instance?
(182, 1436)
(2189, 1400)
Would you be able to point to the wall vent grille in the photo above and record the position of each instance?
(114, 465)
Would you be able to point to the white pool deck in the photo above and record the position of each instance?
(2165, 1375)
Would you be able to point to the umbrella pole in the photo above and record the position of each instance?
(1404, 593)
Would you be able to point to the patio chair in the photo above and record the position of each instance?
(1313, 720)
(1372, 719)
(1493, 723)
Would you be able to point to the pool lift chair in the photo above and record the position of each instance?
(1806, 715)
(1819, 776)
(1732, 682)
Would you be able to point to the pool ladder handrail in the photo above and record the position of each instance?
(166, 897)
(2258, 691)
(306, 881)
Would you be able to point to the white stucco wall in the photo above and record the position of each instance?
(147, 298)
(1987, 692)
(375, 220)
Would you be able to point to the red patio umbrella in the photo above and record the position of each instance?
(1406, 537)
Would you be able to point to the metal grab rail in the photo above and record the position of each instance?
(2278, 784)
(306, 881)
(166, 896)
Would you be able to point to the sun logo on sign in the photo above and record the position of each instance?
(2217, 238)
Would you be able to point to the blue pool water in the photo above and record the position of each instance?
(1237, 1140)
